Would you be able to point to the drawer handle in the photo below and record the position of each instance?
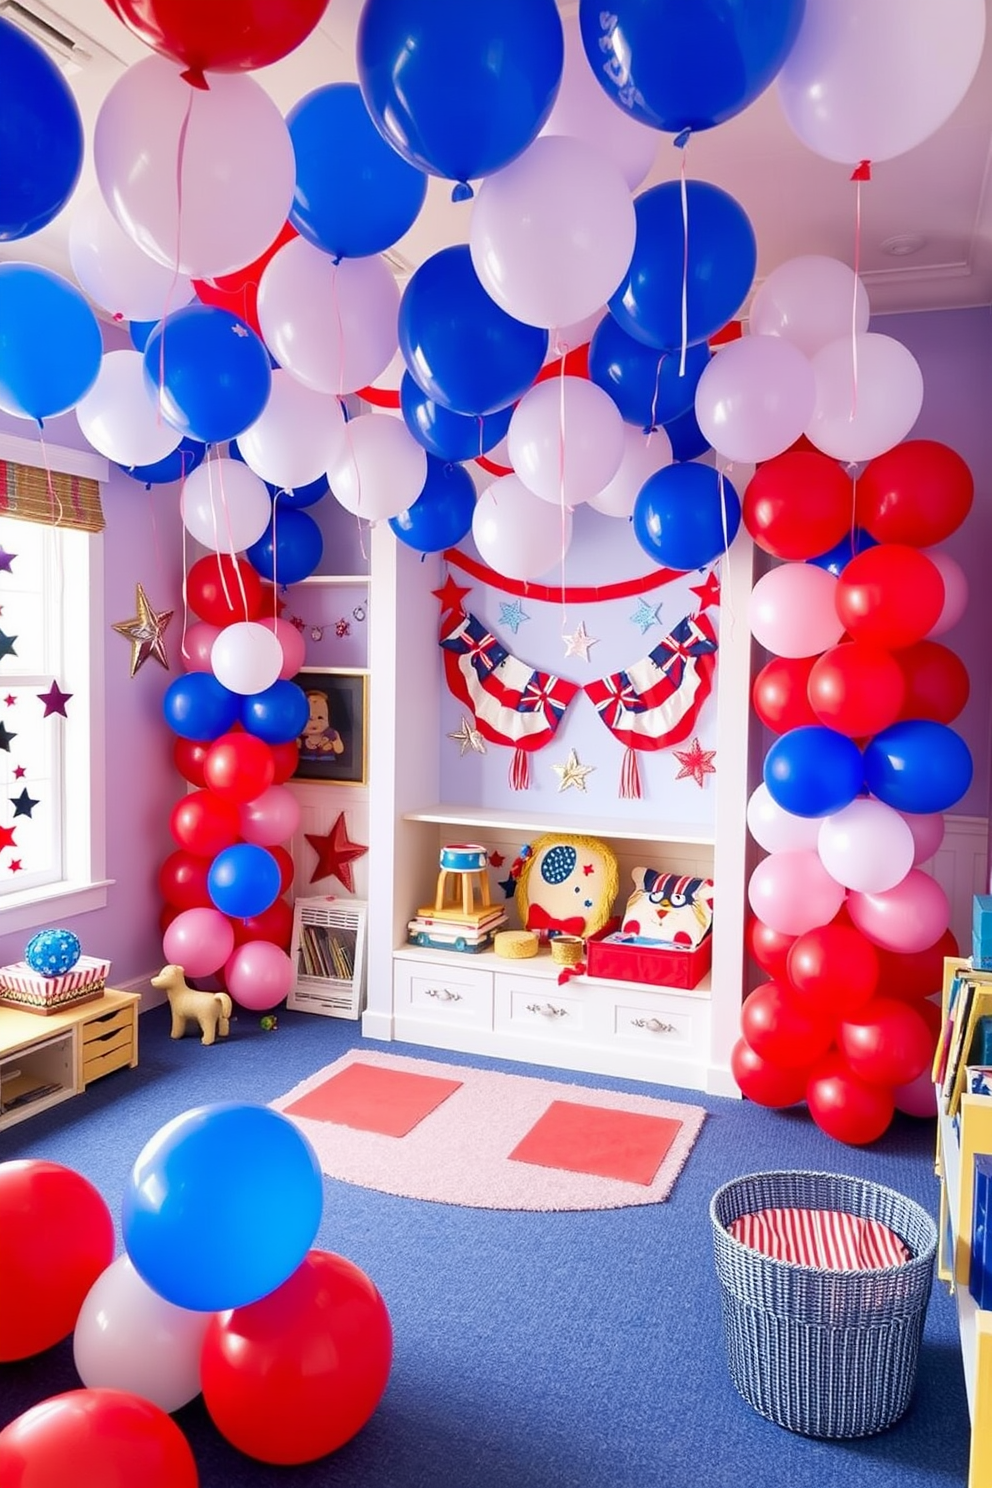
(443, 995)
(548, 1010)
(654, 1025)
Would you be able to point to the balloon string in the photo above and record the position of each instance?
(862, 172)
(726, 598)
(182, 641)
(226, 509)
(683, 141)
(655, 395)
(559, 350)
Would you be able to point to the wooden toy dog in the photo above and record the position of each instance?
(212, 1010)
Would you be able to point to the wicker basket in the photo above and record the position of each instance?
(824, 1353)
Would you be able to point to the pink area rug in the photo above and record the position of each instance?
(491, 1141)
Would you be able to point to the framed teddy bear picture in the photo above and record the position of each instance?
(567, 885)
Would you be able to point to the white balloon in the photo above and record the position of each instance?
(777, 830)
(566, 439)
(552, 233)
(115, 272)
(228, 143)
(755, 397)
(809, 301)
(517, 535)
(643, 455)
(119, 416)
(867, 847)
(333, 326)
(225, 506)
(127, 1337)
(380, 470)
(298, 434)
(859, 423)
(870, 79)
(585, 111)
(246, 657)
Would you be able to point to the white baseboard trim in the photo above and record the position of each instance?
(151, 997)
(960, 865)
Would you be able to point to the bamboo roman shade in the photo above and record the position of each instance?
(52, 498)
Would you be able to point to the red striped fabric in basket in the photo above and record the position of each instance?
(821, 1237)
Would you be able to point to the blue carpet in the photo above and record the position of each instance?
(560, 1350)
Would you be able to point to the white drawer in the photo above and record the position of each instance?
(678, 1028)
(452, 995)
(537, 1005)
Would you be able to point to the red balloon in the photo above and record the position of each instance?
(833, 970)
(239, 767)
(287, 868)
(887, 1042)
(95, 1439)
(914, 975)
(799, 504)
(182, 881)
(222, 36)
(936, 682)
(917, 493)
(274, 924)
(285, 758)
(238, 292)
(223, 590)
(846, 1108)
(890, 596)
(56, 1237)
(765, 1083)
(779, 693)
(770, 948)
(188, 756)
(294, 1376)
(780, 1028)
(856, 689)
(205, 824)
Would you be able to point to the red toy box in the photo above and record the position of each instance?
(618, 959)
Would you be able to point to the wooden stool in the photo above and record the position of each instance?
(464, 863)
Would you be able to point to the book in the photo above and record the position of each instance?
(976, 1003)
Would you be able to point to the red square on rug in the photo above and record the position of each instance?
(391, 1102)
(592, 1139)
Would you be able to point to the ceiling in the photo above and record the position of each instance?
(935, 200)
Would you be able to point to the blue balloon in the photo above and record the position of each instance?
(276, 715)
(442, 513)
(178, 465)
(243, 880)
(197, 706)
(215, 374)
(460, 348)
(688, 439)
(302, 496)
(918, 766)
(139, 331)
(812, 771)
(41, 136)
(354, 194)
(50, 343)
(460, 89)
(646, 384)
(722, 258)
(449, 436)
(677, 66)
(836, 559)
(289, 549)
(222, 1205)
(682, 520)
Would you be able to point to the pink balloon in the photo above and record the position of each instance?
(792, 610)
(911, 917)
(294, 647)
(918, 1097)
(271, 818)
(955, 591)
(792, 892)
(198, 644)
(198, 940)
(928, 833)
(258, 975)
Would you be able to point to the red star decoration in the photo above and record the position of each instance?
(54, 700)
(335, 854)
(20, 772)
(15, 865)
(10, 700)
(696, 762)
(450, 594)
(496, 859)
(708, 591)
(6, 838)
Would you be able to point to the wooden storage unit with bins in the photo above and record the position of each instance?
(47, 1059)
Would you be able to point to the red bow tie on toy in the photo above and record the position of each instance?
(539, 919)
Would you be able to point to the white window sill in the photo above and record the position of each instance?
(50, 902)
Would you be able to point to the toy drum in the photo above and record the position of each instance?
(463, 857)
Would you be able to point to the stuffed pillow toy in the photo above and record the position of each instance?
(669, 908)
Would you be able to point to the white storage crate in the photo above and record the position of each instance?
(328, 955)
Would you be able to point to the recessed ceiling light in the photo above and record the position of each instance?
(903, 244)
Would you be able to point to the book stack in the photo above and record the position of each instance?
(453, 930)
(966, 1035)
(327, 952)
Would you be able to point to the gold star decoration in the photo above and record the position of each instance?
(578, 643)
(146, 632)
(572, 773)
(468, 737)
(696, 762)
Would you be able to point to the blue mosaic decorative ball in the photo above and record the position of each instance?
(52, 952)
